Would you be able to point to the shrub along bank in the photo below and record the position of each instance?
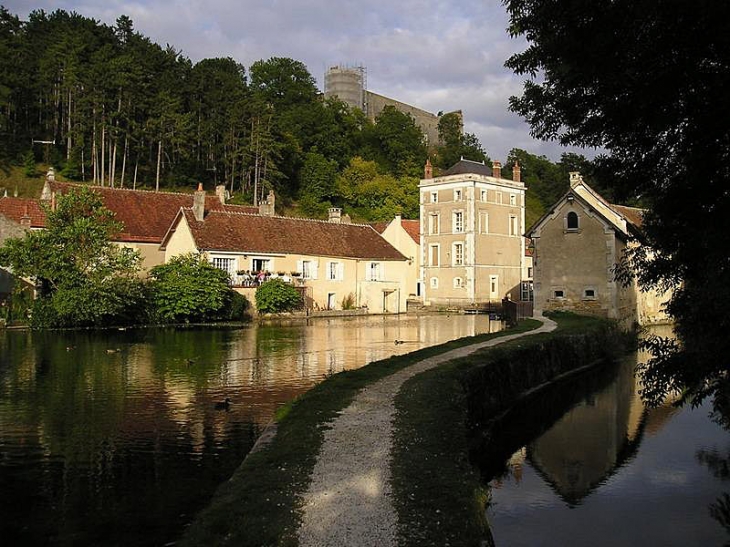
(440, 413)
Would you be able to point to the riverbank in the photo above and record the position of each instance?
(260, 505)
(446, 413)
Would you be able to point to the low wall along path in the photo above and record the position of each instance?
(348, 501)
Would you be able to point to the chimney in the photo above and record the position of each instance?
(575, 179)
(516, 172)
(428, 170)
(335, 215)
(496, 170)
(25, 219)
(199, 203)
(345, 219)
(220, 191)
(268, 208)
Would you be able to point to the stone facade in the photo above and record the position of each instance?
(472, 244)
(576, 247)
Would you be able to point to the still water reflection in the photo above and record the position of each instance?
(595, 467)
(113, 438)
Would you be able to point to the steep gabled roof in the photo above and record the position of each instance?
(246, 233)
(625, 220)
(147, 215)
(412, 228)
(16, 208)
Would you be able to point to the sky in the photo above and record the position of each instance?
(438, 55)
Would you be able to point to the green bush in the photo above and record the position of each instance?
(276, 296)
(237, 307)
(189, 288)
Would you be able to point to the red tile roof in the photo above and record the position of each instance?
(246, 233)
(147, 215)
(413, 227)
(634, 215)
(16, 208)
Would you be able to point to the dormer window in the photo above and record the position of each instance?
(571, 221)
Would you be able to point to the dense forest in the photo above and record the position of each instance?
(106, 105)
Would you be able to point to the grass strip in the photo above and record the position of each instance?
(259, 505)
(437, 492)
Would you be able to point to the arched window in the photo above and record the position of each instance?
(572, 221)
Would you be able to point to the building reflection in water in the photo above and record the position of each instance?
(586, 463)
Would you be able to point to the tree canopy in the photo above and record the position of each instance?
(646, 80)
(83, 278)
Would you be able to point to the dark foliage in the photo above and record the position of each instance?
(646, 80)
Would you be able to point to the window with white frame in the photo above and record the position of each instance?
(308, 269)
(261, 265)
(335, 271)
(458, 194)
(434, 223)
(375, 271)
(226, 264)
(433, 255)
(458, 283)
(434, 197)
(458, 222)
(483, 222)
(498, 197)
(513, 225)
(483, 195)
(589, 293)
(513, 199)
(434, 282)
(458, 254)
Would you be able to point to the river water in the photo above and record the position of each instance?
(589, 464)
(113, 438)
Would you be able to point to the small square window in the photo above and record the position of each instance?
(558, 293)
(434, 282)
(457, 195)
(434, 197)
(589, 294)
(512, 199)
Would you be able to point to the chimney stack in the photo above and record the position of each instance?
(516, 174)
(575, 179)
(428, 170)
(335, 215)
(268, 208)
(220, 191)
(496, 170)
(25, 219)
(199, 203)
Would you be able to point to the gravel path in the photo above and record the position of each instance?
(348, 501)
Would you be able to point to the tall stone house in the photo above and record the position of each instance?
(472, 244)
(577, 245)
